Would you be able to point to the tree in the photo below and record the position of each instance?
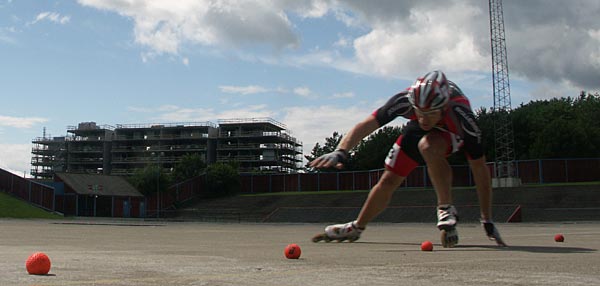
(150, 180)
(371, 152)
(554, 128)
(222, 180)
(485, 121)
(191, 165)
(330, 145)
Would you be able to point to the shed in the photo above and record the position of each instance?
(100, 195)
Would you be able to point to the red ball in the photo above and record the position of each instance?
(559, 238)
(427, 246)
(292, 251)
(38, 264)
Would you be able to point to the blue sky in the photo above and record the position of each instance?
(317, 66)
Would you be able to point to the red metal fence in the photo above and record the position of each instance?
(30, 191)
(529, 171)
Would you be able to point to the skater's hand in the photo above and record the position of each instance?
(335, 159)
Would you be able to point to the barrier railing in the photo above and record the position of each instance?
(529, 171)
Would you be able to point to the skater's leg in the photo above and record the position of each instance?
(433, 148)
(379, 197)
(376, 202)
(482, 178)
(483, 181)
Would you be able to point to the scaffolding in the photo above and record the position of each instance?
(254, 144)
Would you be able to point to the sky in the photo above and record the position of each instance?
(317, 66)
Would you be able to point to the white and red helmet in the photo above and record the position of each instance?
(429, 92)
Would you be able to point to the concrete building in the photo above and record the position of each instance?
(255, 145)
(135, 146)
(261, 144)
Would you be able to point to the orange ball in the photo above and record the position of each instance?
(292, 251)
(427, 246)
(38, 264)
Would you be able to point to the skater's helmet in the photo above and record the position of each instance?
(429, 92)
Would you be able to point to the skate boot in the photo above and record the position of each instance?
(447, 218)
(492, 232)
(340, 232)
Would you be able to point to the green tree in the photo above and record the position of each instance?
(191, 165)
(587, 111)
(330, 145)
(485, 121)
(150, 180)
(222, 180)
(371, 152)
(554, 128)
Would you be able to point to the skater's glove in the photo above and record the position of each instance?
(334, 159)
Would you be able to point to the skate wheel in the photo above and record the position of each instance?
(449, 238)
(321, 236)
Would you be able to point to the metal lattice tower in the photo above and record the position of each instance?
(503, 129)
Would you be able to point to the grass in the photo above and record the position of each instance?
(11, 207)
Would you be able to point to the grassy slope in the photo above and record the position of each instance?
(15, 208)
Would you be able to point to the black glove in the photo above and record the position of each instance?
(332, 159)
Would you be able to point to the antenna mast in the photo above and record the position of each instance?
(503, 129)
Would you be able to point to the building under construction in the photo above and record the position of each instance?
(255, 145)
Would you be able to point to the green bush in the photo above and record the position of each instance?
(222, 180)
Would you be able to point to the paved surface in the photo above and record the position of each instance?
(157, 253)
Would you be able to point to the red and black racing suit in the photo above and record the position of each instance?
(458, 127)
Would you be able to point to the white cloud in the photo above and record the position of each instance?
(398, 39)
(437, 37)
(343, 95)
(52, 17)
(140, 109)
(7, 39)
(15, 158)
(251, 111)
(250, 89)
(549, 90)
(304, 92)
(173, 113)
(342, 42)
(20, 122)
(322, 122)
(5, 35)
(308, 9)
(163, 26)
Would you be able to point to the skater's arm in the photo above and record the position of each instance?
(349, 141)
(483, 182)
(358, 132)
